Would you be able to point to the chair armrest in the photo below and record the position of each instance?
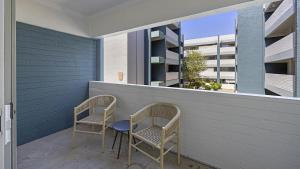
(140, 115)
(84, 106)
(172, 125)
(110, 109)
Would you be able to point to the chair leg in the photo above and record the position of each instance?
(178, 150)
(116, 135)
(129, 149)
(103, 138)
(178, 145)
(73, 136)
(134, 141)
(162, 157)
(120, 145)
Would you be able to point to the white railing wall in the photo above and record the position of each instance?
(228, 131)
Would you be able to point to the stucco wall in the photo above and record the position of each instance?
(115, 58)
(229, 131)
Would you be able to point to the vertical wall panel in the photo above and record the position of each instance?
(132, 57)
(53, 71)
(250, 55)
(297, 56)
(136, 57)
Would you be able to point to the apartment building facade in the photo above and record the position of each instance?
(148, 57)
(280, 52)
(220, 54)
(166, 53)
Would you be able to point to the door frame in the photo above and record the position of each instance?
(1, 83)
(8, 80)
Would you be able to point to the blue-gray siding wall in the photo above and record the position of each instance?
(250, 53)
(53, 71)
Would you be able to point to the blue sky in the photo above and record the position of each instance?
(219, 24)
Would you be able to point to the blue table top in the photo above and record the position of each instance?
(122, 125)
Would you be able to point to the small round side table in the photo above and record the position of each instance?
(122, 126)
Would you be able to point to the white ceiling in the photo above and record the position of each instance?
(84, 7)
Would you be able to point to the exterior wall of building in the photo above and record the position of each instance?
(166, 55)
(250, 46)
(128, 55)
(136, 51)
(116, 58)
(124, 58)
(281, 53)
(209, 47)
(53, 71)
(297, 55)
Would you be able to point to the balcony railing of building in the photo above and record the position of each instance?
(280, 50)
(171, 58)
(280, 84)
(275, 25)
(223, 63)
(170, 36)
(213, 75)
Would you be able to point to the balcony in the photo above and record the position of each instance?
(172, 76)
(212, 50)
(157, 35)
(172, 82)
(157, 83)
(174, 26)
(222, 130)
(157, 59)
(279, 24)
(171, 38)
(227, 50)
(223, 63)
(172, 58)
(225, 39)
(213, 75)
(280, 84)
(271, 6)
(243, 122)
(280, 50)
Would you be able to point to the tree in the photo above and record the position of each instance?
(193, 64)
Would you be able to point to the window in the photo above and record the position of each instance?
(155, 57)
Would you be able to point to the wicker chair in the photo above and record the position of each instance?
(155, 135)
(95, 119)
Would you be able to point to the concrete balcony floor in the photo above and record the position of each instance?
(56, 152)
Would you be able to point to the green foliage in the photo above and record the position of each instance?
(193, 64)
(216, 86)
(207, 87)
(204, 84)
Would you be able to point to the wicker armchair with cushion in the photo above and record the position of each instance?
(95, 118)
(156, 135)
